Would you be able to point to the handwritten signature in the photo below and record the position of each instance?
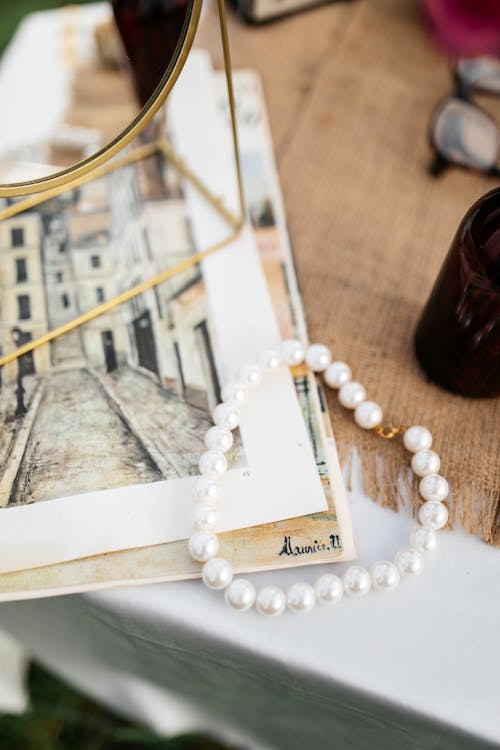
(289, 548)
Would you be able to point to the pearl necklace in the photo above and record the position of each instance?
(356, 581)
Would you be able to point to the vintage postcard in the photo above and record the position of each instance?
(108, 421)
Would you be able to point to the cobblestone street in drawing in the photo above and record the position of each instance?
(73, 403)
(171, 430)
(142, 444)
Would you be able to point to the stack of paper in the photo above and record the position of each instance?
(98, 468)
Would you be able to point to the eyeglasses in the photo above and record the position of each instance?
(461, 132)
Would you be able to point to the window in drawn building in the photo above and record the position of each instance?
(24, 307)
(17, 236)
(65, 300)
(95, 261)
(99, 293)
(21, 270)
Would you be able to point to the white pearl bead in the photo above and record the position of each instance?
(293, 352)
(219, 439)
(250, 375)
(204, 516)
(434, 487)
(217, 573)
(329, 589)
(271, 601)
(351, 394)
(240, 594)
(368, 414)
(270, 360)
(225, 415)
(410, 561)
(425, 462)
(318, 357)
(234, 394)
(212, 464)
(300, 597)
(424, 539)
(433, 515)
(203, 545)
(337, 374)
(417, 438)
(205, 490)
(356, 580)
(385, 575)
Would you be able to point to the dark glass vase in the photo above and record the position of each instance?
(457, 340)
(150, 31)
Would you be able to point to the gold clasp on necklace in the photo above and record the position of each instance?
(388, 433)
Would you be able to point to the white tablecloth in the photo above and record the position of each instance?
(13, 667)
(416, 668)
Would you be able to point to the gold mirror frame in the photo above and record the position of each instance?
(96, 166)
(145, 115)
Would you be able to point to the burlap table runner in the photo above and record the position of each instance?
(350, 89)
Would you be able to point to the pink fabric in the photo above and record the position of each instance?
(465, 27)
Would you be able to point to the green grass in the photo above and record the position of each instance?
(13, 11)
(61, 719)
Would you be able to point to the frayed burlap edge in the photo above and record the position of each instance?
(388, 479)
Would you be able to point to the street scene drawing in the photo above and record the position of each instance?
(124, 399)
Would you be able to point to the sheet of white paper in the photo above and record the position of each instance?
(281, 481)
(261, 179)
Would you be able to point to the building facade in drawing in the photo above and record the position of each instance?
(23, 302)
(95, 269)
(85, 248)
(101, 406)
(168, 330)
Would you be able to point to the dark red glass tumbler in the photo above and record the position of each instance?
(457, 339)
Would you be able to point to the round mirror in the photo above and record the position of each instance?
(80, 81)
